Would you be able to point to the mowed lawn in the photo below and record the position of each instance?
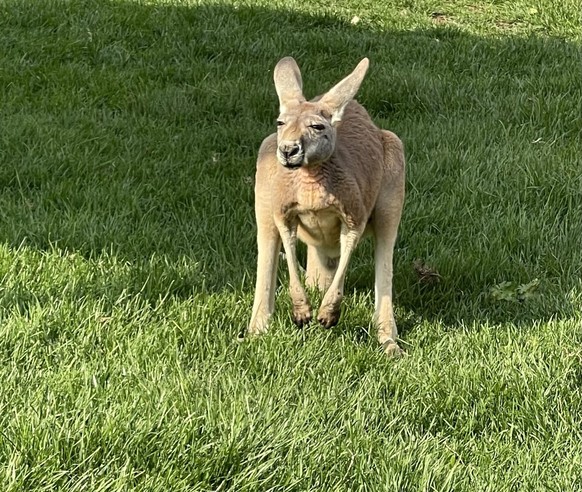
(128, 137)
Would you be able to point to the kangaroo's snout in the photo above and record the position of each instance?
(290, 150)
(291, 154)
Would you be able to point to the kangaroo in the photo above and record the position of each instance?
(327, 176)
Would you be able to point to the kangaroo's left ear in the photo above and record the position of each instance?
(288, 83)
(344, 91)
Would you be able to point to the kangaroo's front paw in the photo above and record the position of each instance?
(302, 315)
(329, 311)
(328, 315)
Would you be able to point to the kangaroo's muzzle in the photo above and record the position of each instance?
(291, 154)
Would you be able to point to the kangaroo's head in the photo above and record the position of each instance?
(306, 130)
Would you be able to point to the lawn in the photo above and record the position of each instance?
(128, 137)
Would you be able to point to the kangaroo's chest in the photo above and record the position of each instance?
(314, 197)
(319, 215)
(319, 228)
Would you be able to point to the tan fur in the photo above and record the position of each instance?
(327, 176)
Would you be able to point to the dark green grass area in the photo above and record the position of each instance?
(128, 137)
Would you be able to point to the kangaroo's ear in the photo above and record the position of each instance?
(344, 91)
(288, 83)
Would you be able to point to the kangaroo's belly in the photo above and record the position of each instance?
(320, 228)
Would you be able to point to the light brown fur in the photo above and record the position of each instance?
(327, 176)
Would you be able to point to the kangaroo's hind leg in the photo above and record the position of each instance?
(385, 221)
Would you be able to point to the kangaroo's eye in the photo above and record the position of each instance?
(280, 123)
(318, 127)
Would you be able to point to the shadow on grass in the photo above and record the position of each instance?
(133, 129)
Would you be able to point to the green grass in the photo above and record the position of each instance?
(128, 135)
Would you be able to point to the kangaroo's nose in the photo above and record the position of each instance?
(289, 150)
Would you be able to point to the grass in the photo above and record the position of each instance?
(128, 137)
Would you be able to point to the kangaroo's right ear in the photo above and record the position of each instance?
(344, 91)
(288, 83)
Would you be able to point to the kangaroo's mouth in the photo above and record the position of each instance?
(290, 165)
